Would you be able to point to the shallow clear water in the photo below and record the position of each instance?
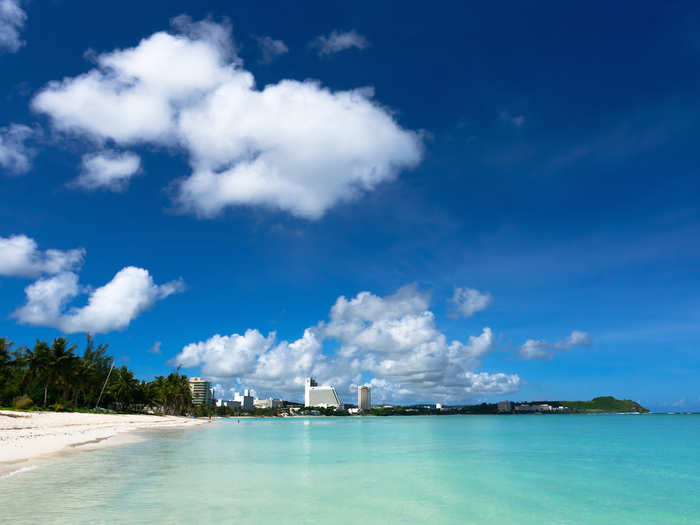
(460, 469)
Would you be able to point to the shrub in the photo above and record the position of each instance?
(23, 402)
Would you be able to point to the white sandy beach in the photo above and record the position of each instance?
(28, 436)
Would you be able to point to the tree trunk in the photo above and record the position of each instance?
(46, 388)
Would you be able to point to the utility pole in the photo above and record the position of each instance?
(103, 386)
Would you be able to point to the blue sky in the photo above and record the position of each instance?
(544, 157)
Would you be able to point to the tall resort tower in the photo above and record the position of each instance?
(319, 396)
(364, 400)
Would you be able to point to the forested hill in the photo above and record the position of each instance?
(604, 404)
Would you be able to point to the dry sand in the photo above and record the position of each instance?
(26, 437)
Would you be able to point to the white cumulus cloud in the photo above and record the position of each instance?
(20, 257)
(108, 169)
(109, 307)
(292, 146)
(466, 302)
(15, 155)
(225, 356)
(338, 41)
(393, 339)
(12, 18)
(48, 300)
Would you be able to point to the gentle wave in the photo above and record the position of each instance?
(23, 469)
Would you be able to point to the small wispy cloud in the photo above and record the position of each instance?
(541, 349)
(12, 18)
(575, 338)
(15, 154)
(109, 170)
(270, 48)
(465, 302)
(515, 120)
(155, 349)
(338, 41)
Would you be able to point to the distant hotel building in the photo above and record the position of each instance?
(505, 406)
(319, 396)
(539, 408)
(246, 400)
(201, 391)
(270, 402)
(364, 400)
(228, 403)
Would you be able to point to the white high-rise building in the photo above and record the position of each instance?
(270, 402)
(201, 391)
(319, 396)
(364, 399)
(246, 400)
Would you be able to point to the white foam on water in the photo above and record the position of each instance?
(19, 470)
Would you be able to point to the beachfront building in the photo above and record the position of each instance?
(228, 403)
(533, 408)
(246, 400)
(505, 406)
(364, 400)
(201, 391)
(319, 396)
(270, 402)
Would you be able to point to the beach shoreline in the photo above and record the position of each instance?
(27, 438)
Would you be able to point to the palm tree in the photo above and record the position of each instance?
(122, 385)
(60, 366)
(158, 389)
(5, 347)
(8, 371)
(172, 393)
(91, 372)
(38, 364)
(178, 389)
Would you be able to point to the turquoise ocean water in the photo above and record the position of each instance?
(570, 469)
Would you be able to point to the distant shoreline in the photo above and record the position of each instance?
(354, 416)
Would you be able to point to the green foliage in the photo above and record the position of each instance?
(329, 411)
(61, 380)
(172, 394)
(605, 404)
(122, 386)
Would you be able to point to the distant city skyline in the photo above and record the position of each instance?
(450, 205)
